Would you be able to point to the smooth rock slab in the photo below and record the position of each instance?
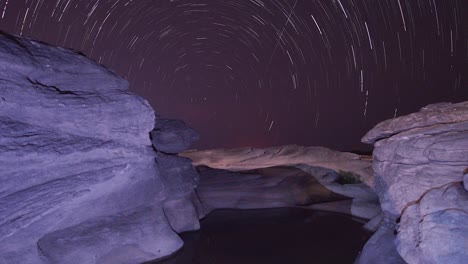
(126, 238)
(380, 248)
(434, 114)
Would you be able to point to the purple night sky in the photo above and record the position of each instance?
(267, 72)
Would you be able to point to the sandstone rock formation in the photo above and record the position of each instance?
(419, 163)
(78, 178)
(291, 155)
(286, 177)
(261, 188)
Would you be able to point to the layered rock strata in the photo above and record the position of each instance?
(78, 179)
(420, 163)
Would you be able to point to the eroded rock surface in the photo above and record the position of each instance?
(74, 148)
(435, 230)
(291, 155)
(262, 188)
(416, 158)
(312, 177)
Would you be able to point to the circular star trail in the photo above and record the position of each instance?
(267, 72)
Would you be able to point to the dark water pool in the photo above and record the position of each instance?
(283, 236)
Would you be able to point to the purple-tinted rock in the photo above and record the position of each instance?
(178, 175)
(380, 248)
(435, 229)
(435, 114)
(130, 237)
(412, 162)
(184, 213)
(74, 148)
(465, 179)
(416, 156)
(172, 136)
(180, 179)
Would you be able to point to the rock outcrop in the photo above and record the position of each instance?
(435, 229)
(173, 136)
(78, 179)
(182, 206)
(311, 177)
(250, 159)
(419, 163)
(262, 188)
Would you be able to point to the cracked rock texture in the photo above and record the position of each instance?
(420, 162)
(435, 230)
(78, 173)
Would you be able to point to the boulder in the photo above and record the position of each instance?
(184, 213)
(75, 153)
(129, 237)
(181, 206)
(380, 248)
(435, 229)
(172, 136)
(415, 157)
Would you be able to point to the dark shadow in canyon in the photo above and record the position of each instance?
(269, 236)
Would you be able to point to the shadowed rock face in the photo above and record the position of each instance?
(173, 136)
(418, 161)
(75, 152)
(263, 188)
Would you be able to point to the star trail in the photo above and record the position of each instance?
(267, 72)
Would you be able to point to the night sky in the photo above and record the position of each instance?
(267, 72)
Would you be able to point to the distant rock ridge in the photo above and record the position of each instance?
(420, 163)
(254, 158)
(78, 177)
(249, 178)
